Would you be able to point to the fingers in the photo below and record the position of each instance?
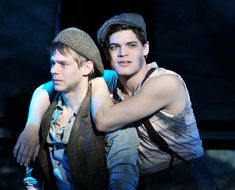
(27, 156)
(15, 150)
(27, 146)
(19, 151)
(21, 155)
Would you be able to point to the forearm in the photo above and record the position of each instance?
(167, 94)
(108, 118)
(103, 109)
(27, 144)
(38, 105)
(100, 100)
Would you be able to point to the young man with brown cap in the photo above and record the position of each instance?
(121, 159)
(148, 94)
(71, 154)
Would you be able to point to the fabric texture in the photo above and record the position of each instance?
(180, 128)
(121, 150)
(83, 44)
(173, 128)
(85, 150)
(131, 19)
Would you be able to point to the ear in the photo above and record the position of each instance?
(87, 68)
(146, 48)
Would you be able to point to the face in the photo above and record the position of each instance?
(127, 53)
(65, 73)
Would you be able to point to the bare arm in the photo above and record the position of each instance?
(165, 92)
(27, 145)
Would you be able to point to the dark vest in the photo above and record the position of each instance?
(85, 150)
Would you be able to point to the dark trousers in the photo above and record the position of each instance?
(194, 176)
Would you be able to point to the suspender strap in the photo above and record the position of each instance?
(149, 72)
(162, 144)
(155, 137)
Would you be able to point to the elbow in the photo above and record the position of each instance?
(101, 125)
(101, 121)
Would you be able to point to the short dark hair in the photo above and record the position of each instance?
(119, 27)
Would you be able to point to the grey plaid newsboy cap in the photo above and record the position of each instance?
(132, 19)
(83, 44)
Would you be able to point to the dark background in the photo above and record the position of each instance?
(194, 38)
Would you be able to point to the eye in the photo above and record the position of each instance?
(132, 45)
(113, 47)
(63, 64)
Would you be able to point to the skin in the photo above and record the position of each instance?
(27, 145)
(127, 58)
(72, 82)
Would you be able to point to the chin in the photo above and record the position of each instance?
(58, 89)
(124, 73)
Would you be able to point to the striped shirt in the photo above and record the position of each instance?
(179, 131)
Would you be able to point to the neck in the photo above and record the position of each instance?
(131, 83)
(73, 99)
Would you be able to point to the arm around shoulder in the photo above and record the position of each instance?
(100, 101)
(157, 93)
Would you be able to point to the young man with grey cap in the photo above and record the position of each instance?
(161, 96)
(157, 100)
(71, 154)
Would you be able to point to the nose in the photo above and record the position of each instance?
(54, 68)
(122, 51)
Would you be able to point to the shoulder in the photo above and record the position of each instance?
(98, 84)
(97, 81)
(164, 81)
(164, 89)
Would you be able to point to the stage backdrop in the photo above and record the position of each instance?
(26, 28)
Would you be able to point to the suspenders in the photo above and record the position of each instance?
(155, 137)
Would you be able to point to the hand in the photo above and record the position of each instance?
(27, 145)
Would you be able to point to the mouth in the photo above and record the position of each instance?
(56, 81)
(124, 63)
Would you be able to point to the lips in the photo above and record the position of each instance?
(56, 81)
(124, 63)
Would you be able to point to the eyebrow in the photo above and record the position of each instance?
(59, 61)
(130, 42)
